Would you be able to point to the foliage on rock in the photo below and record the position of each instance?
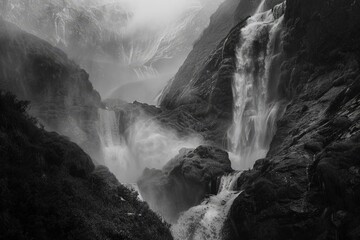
(50, 189)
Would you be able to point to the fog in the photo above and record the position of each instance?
(130, 48)
(120, 43)
(145, 144)
(156, 14)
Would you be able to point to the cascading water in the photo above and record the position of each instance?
(147, 145)
(256, 110)
(206, 220)
(112, 148)
(256, 105)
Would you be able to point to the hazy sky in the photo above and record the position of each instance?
(158, 13)
(146, 31)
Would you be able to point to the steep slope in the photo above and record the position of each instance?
(221, 23)
(117, 42)
(50, 189)
(229, 14)
(61, 94)
(308, 186)
(203, 85)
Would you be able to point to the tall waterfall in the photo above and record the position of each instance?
(256, 105)
(206, 220)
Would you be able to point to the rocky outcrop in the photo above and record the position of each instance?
(184, 181)
(221, 23)
(308, 186)
(50, 189)
(61, 95)
(179, 120)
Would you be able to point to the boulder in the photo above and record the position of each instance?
(184, 181)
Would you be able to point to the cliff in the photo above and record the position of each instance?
(60, 92)
(308, 185)
(184, 181)
(203, 85)
(50, 189)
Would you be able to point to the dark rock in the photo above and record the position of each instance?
(308, 185)
(262, 165)
(61, 95)
(340, 81)
(313, 146)
(184, 181)
(341, 122)
(203, 85)
(50, 189)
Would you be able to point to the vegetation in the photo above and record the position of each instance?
(50, 189)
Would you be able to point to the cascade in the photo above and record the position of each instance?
(113, 150)
(256, 109)
(147, 145)
(256, 104)
(206, 220)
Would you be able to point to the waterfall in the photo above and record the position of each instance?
(256, 104)
(206, 220)
(114, 152)
(60, 26)
(147, 145)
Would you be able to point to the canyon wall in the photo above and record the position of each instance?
(308, 185)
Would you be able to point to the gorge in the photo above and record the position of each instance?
(256, 134)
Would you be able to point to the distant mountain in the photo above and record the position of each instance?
(115, 41)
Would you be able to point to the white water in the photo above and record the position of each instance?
(147, 145)
(255, 112)
(256, 107)
(205, 221)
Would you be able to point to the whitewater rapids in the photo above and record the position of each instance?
(206, 220)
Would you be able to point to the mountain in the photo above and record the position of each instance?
(306, 184)
(61, 95)
(307, 187)
(227, 16)
(204, 81)
(269, 96)
(117, 42)
(50, 189)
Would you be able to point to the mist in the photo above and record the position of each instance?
(145, 144)
(120, 43)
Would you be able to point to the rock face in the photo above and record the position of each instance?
(308, 186)
(179, 120)
(203, 85)
(50, 189)
(184, 181)
(229, 14)
(61, 94)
